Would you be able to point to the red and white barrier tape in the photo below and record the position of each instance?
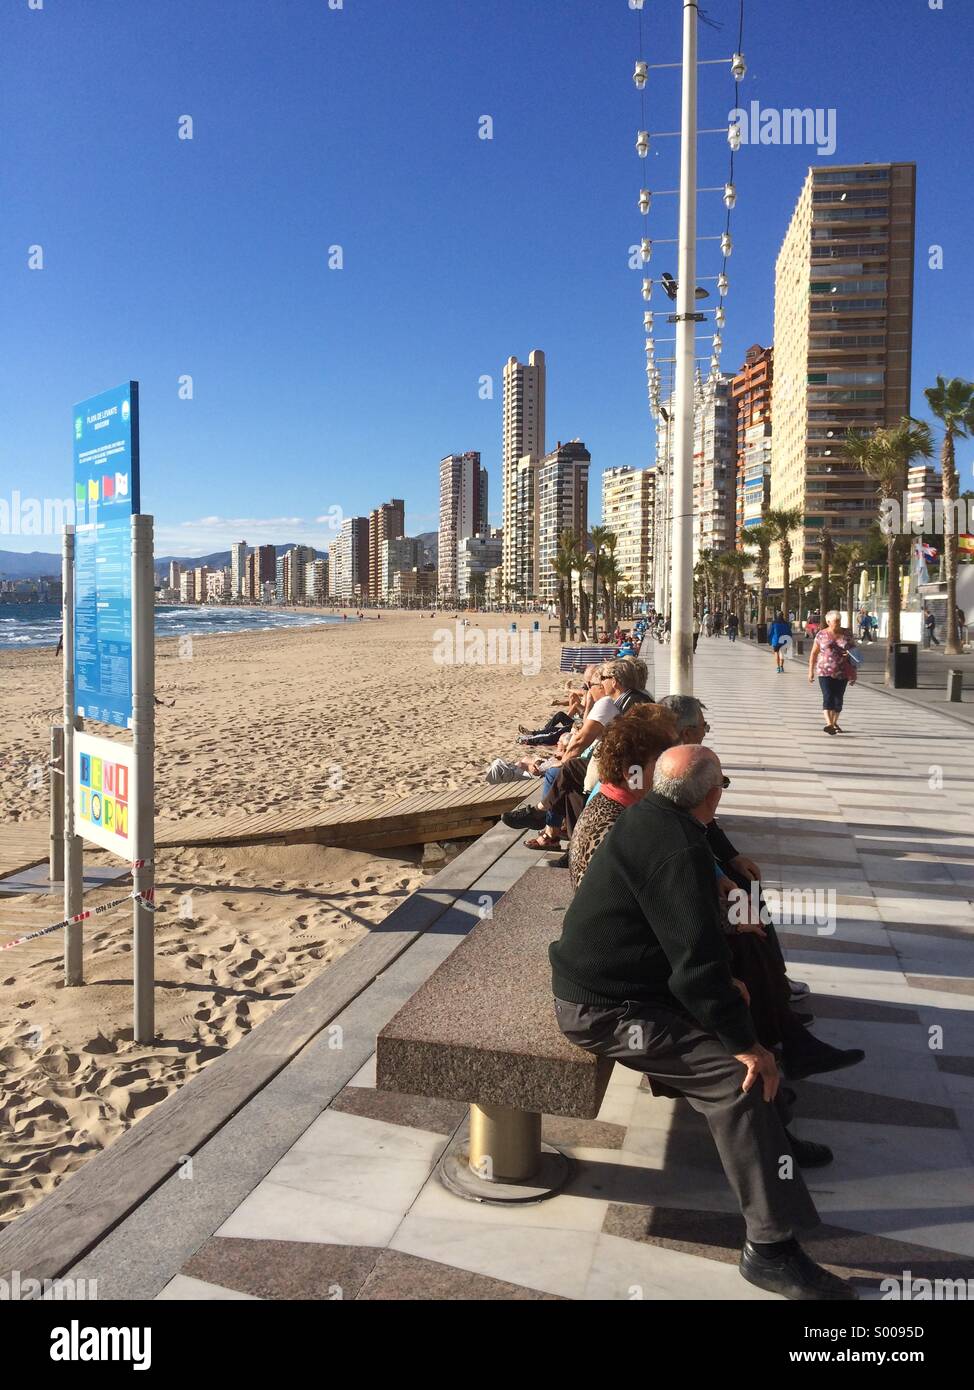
(147, 900)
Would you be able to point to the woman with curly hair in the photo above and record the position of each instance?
(627, 756)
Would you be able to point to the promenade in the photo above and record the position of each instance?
(321, 1187)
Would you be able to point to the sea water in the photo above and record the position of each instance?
(39, 624)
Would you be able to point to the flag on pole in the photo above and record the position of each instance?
(920, 563)
(929, 553)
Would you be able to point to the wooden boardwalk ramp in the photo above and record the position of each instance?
(464, 813)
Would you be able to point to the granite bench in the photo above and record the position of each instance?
(482, 1030)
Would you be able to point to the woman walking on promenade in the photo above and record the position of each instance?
(830, 659)
(779, 637)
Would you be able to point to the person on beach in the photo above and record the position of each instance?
(623, 685)
(779, 638)
(831, 661)
(641, 974)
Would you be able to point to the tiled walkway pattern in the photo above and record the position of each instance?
(882, 815)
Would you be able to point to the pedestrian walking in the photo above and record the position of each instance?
(831, 660)
(779, 639)
(696, 630)
(930, 623)
(733, 623)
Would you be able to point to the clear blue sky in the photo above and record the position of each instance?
(316, 388)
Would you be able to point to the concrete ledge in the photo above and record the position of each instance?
(482, 1028)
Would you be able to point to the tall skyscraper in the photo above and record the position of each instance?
(843, 335)
(714, 477)
(349, 560)
(562, 504)
(403, 553)
(460, 511)
(238, 572)
(524, 439)
(175, 570)
(751, 394)
(386, 523)
(628, 496)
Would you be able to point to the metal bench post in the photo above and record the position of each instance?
(505, 1144)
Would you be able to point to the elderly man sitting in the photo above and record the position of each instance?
(641, 974)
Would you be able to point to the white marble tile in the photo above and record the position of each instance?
(552, 1261)
(275, 1212)
(629, 1271)
(184, 1288)
(574, 1210)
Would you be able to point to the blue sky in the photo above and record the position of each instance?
(315, 388)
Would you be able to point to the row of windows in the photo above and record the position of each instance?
(861, 195)
(842, 341)
(844, 287)
(834, 306)
(851, 176)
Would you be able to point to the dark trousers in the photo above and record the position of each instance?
(551, 732)
(671, 1048)
(833, 692)
(564, 802)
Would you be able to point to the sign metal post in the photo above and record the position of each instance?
(143, 744)
(73, 861)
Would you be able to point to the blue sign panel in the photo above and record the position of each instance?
(106, 454)
(103, 621)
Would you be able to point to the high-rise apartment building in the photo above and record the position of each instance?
(628, 498)
(175, 570)
(924, 488)
(477, 558)
(349, 560)
(386, 523)
(843, 332)
(751, 394)
(523, 446)
(714, 479)
(483, 521)
(561, 492)
(460, 511)
(238, 568)
(403, 553)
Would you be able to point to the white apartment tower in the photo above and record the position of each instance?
(522, 449)
(238, 568)
(460, 513)
(628, 496)
(561, 504)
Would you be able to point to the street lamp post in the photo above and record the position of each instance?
(681, 648)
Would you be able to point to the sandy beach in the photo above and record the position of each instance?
(293, 719)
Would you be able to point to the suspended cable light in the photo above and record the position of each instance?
(648, 321)
(738, 66)
(640, 74)
(722, 283)
(647, 289)
(642, 143)
(730, 195)
(645, 249)
(645, 199)
(726, 244)
(720, 316)
(733, 136)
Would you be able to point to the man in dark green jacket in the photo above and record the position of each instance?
(641, 973)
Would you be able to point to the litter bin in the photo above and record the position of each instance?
(905, 665)
(761, 636)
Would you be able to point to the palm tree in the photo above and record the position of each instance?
(846, 564)
(733, 563)
(781, 521)
(886, 457)
(627, 596)
(611, 541)
(760, 538)
(611, 577)
(828, 550)
(564, 566)
(952, 402)
(597, 536)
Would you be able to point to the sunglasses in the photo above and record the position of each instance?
(725, 782)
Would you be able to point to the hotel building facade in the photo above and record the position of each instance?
(628, 500)
(461, 481)
(523, 446)
(843, 325)
(751, 394)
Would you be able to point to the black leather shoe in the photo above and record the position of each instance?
(793, 1275)
(819, 1058)
(807, 1153)
(524, 818)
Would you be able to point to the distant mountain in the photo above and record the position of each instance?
(35, 564)
(431, 546)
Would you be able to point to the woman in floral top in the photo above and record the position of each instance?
(830, 661)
